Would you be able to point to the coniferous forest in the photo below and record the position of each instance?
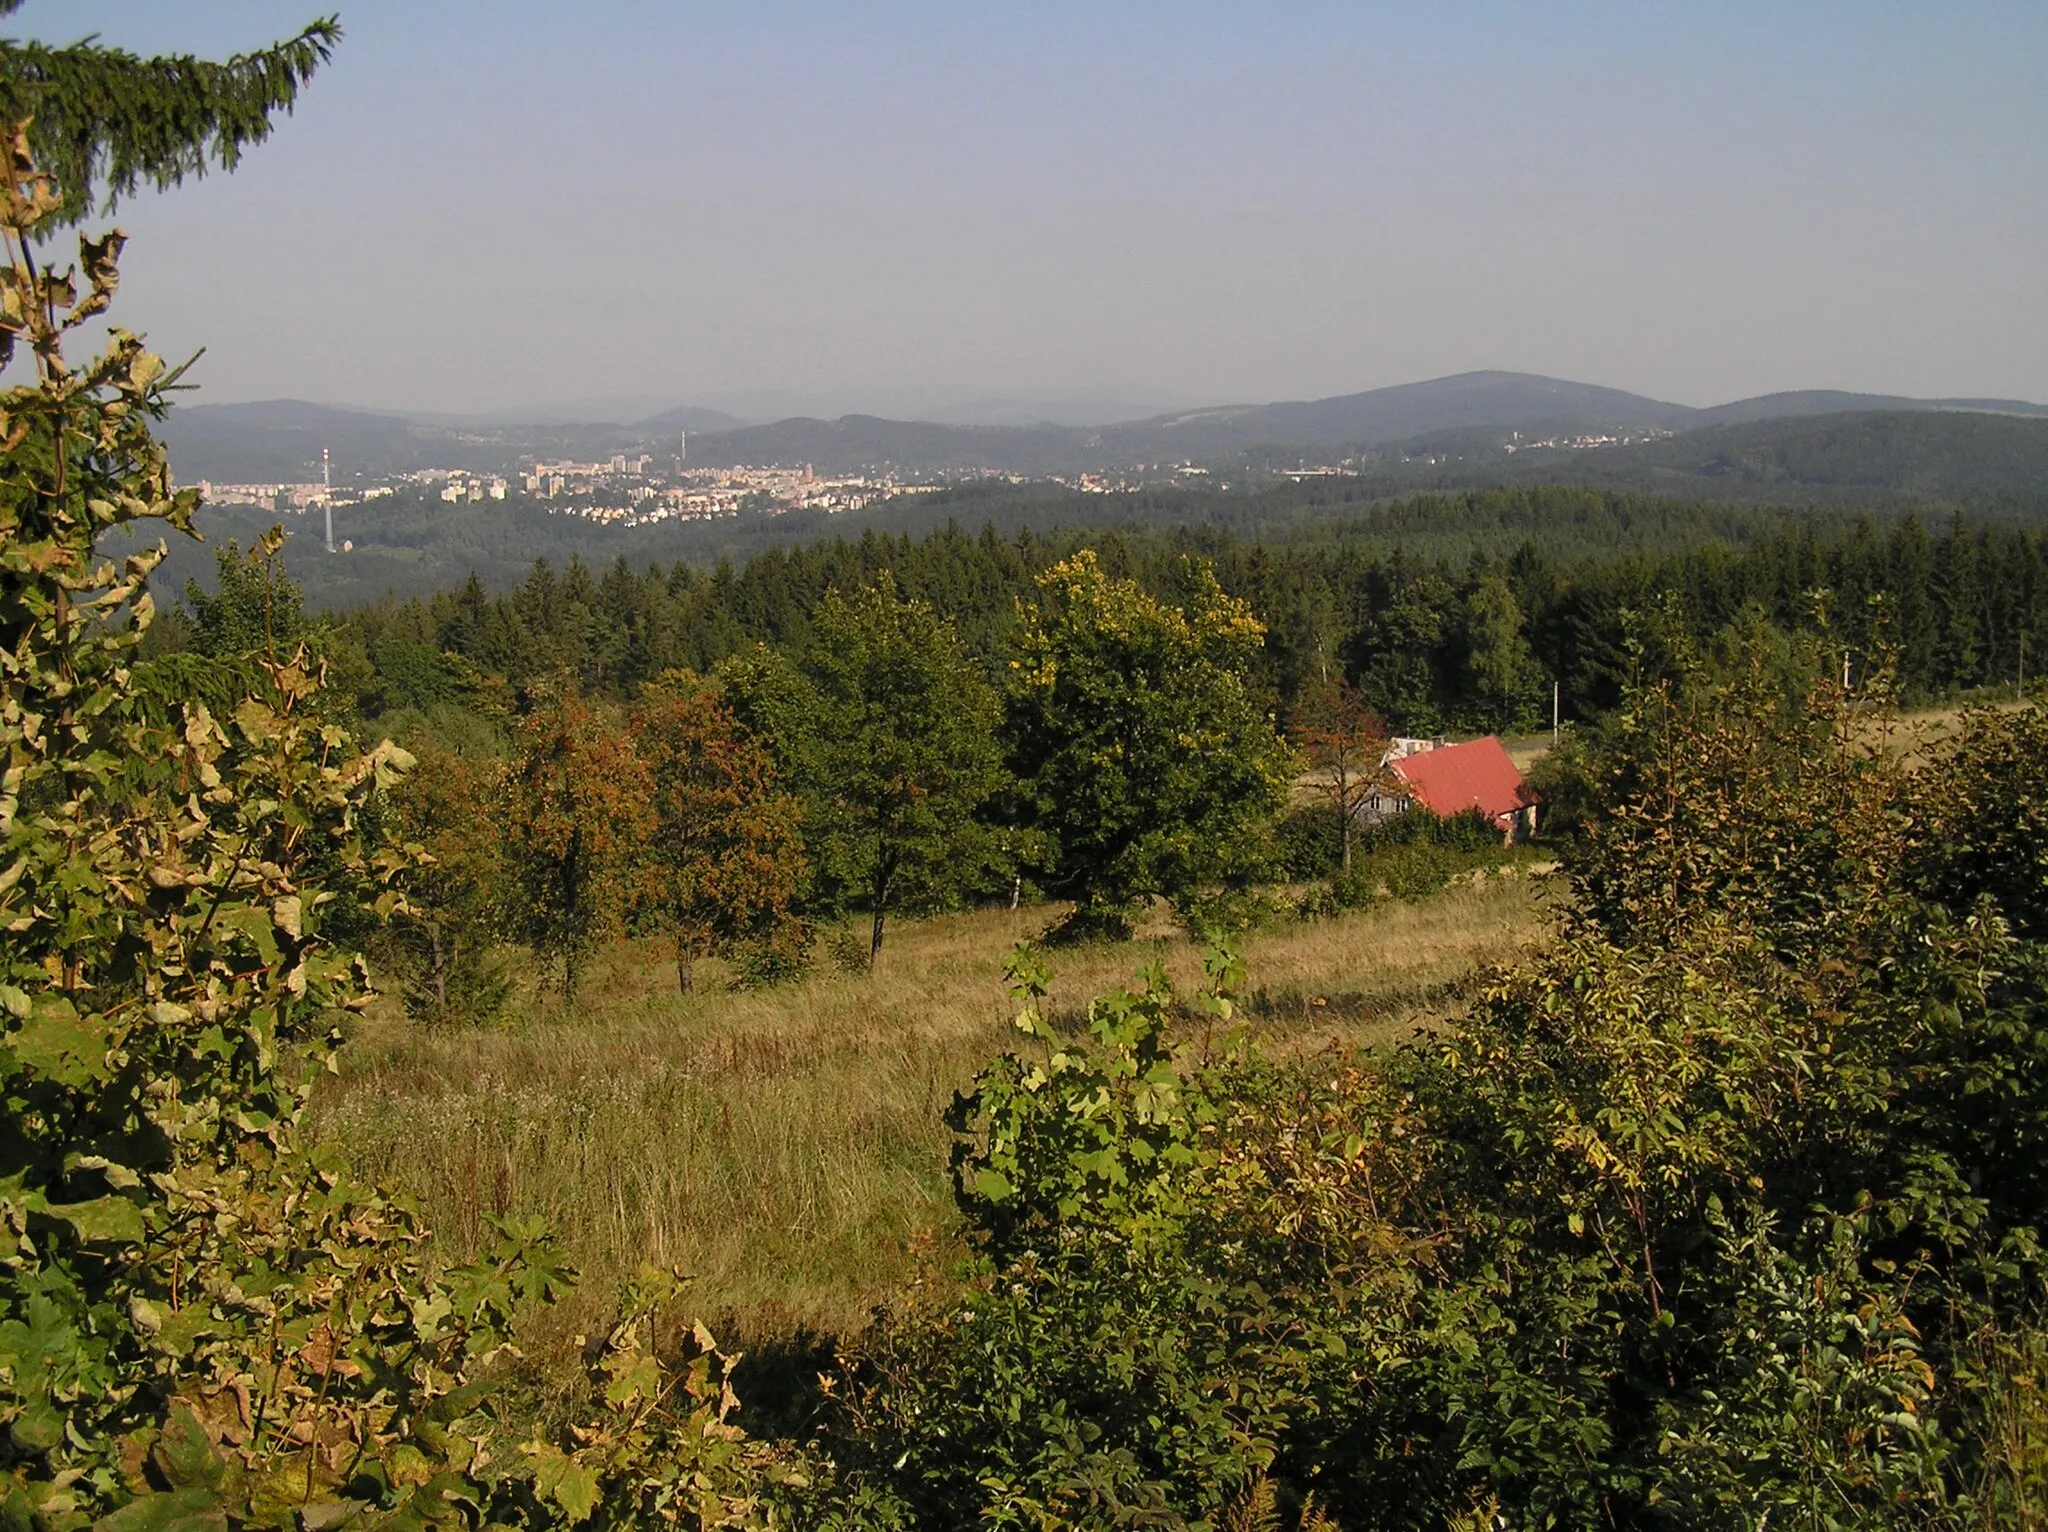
(1435, 641)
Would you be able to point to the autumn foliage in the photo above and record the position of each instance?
(723, 862)
(1344, 743)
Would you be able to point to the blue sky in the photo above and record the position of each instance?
(896, 206)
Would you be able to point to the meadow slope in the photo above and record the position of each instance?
(785, 1146)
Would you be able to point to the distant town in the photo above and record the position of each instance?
(639, 488)
(642, 489)
(624, 491)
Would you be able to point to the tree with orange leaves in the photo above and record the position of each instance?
(725, 860)
(581, 806)
(443, 949)
(1344, 743)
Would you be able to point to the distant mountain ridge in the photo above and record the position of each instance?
(1497, 402)
(281, 439)
(1827, 401)
(1469, 399)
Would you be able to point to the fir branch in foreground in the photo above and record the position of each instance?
(105, 121)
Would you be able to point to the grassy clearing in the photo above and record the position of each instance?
(785, 1145)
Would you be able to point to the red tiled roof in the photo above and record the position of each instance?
(1478, 775)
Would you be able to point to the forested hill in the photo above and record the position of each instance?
(1886, 456)
(1484, 411)
(1460, 640)
(1477, 431)
(412, 545)
(1707, 484)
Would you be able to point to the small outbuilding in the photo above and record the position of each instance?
(1456, 779)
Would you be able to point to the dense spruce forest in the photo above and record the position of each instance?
(1449, 613)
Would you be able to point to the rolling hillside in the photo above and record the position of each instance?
(1464, 416)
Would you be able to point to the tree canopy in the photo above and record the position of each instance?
(889, 731)
(724, 862)
(1144, 748)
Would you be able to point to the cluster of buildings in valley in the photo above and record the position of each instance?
(286, 497)
(627, 490)
(704, 494)
(1585, 442)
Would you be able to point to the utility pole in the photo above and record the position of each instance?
(327, 497)
(1556, 696)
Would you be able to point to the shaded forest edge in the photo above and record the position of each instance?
(1447, 615)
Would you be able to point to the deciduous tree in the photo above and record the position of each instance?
(905, 750)
(167, 987)
(1344, 742)
(1143, 749)
(445, 808)
(578, 810)
(725, 860)
(889, 732)
(205, 1322)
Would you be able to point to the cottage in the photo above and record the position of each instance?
(1455, 779)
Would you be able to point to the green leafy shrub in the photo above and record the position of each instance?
(776, 956)
(1359, 886)
(1308, 843)
(1318, 901)
(1466, 831)
(1413, 871)
(1223, 915)
(204, 1322)
(1725, 1207)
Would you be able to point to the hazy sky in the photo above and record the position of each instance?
(888, 206)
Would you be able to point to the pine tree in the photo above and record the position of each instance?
(253, 611)
(1914, 625)
(103, 121)
(1959, 605)
(1501, 674)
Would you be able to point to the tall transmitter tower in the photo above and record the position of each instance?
(327, 497)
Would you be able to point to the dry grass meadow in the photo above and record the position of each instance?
(784, 1146)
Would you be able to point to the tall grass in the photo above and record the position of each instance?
(785, 1146)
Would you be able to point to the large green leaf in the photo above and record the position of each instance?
(59, 1043)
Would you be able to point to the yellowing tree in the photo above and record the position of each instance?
(1344, 742)
(443, 948)
(580, 807)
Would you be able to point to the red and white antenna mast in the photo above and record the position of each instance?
(327, 497)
